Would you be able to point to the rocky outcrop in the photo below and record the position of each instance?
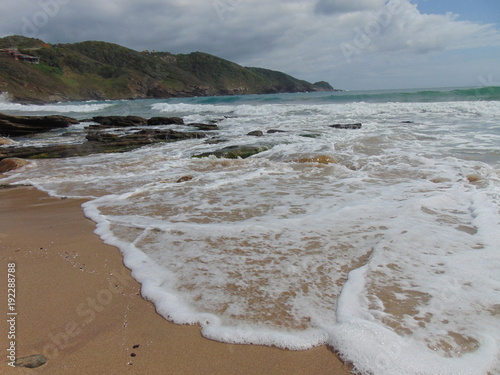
(185, 179)
(136, 121)
(256, 133)
(165, 121)
(10, 164)
(18, 126)
(143, 137)
(100, 142)
(235, 152)
(201, 126)
(346, 126)
(56, 151)
(138, 132)
(120, 121)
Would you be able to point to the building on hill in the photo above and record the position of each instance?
(29, 58)
(16, 55)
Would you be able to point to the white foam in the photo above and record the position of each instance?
(350, 110)
(375, 350)
(259, 250)
(72, 107)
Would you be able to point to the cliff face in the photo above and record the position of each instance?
(99, 70)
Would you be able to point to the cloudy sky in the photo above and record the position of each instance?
(353, 44)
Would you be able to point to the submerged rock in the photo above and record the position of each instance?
(346, 126)
(120, 121)
(214, 141)
(99, 142)
(256, 133)
(310, 135)
(18, 126)
(321, 159)
(201, 126)
(143, 137)
(32, 361)
(235, 152)
(11, 164)
(165, 121)
(184, 179)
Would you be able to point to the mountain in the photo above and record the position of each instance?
(100, 70)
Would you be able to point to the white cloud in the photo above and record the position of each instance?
(336, 40)
(328, 7)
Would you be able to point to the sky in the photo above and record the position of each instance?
(352, 44)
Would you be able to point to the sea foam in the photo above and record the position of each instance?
(70, 108)
(389, 253)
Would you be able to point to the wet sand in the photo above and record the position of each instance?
(78, 306)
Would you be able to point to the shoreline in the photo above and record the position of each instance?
(79, 307)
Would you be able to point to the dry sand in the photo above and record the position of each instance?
(78, 305)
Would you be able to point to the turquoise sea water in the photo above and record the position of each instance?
(390, 253)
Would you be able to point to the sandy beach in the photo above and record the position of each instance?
(78, 305)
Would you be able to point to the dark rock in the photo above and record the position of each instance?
(204, 126)
(214, 141)
(120, 121)
(33, 361)
(10, 164)
(310, 135)
(143, 137)
(256, 133)
(346, 126)
(184, 179)
(216, 120)
(235, 152)
(57, 151)
(102, 137)
(99, 142)
(18, 126)
(271, 131)
(172, 135)
(165, 121)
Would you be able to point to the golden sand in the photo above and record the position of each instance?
(78, 306)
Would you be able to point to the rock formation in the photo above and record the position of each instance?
(18, 126)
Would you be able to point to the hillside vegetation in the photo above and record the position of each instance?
(100, 70)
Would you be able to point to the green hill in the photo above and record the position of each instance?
(100, 70)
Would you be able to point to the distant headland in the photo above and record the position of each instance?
(33, 71)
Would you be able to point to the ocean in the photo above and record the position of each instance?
(381, 242)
